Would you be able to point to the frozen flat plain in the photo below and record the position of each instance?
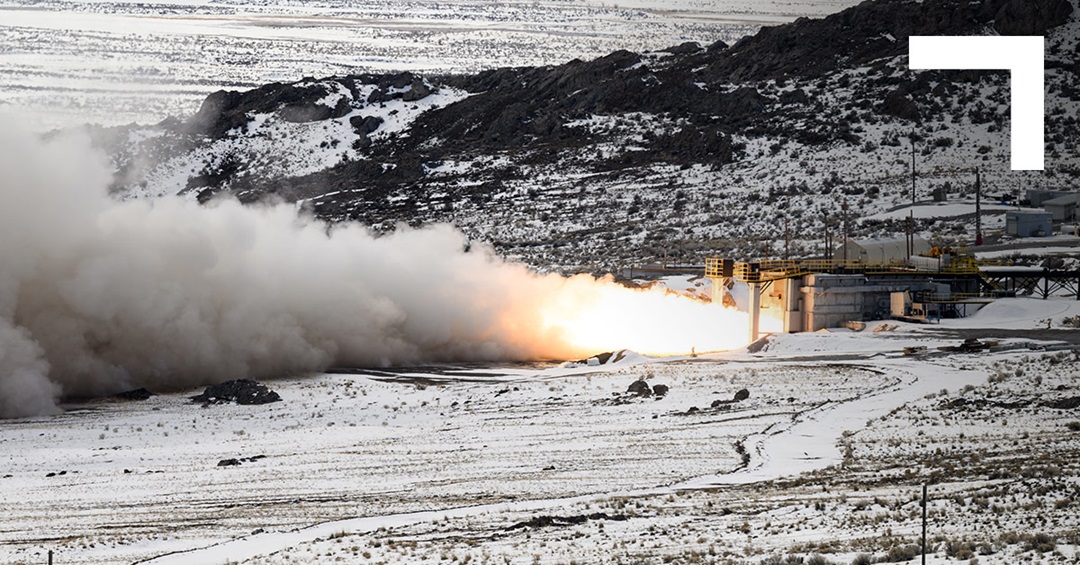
(444, 463)
(113, 62)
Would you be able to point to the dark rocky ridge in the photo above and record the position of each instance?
(779, 85)
(857, 35)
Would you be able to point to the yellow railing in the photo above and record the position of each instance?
(769, 270)
(954, 297)
(778, 269)
(714, 267)
(993, 262)
(963, 265)
(744, 273)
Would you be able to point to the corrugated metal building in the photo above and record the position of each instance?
(1062, 208)
(1022, 223)
(880, 249)
(1038, 196)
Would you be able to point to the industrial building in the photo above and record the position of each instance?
(809, 295)
(1062, 208)
(1037, 196)
(1022, 223)
(880, 249)
(815, 294)
(827, 300)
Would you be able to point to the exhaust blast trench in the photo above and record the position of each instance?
(98, 296)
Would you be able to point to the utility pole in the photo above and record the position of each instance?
(825, 221)
(924, 505)
(911, 234)
(844, 243)
(787, 240)
(913, 168)
(978, 209)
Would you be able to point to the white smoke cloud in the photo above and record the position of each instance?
(98, 296)
(24, 388)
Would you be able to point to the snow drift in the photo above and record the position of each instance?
(99, 296)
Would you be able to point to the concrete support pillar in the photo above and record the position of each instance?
(719, 289)
(792, 317)
(755, 310)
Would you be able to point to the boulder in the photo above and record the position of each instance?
(640, 388)
(241, 391)
(898, 104)
(365, 125)
(137, 394)
(417, 91)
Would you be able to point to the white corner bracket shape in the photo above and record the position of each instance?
(1022, 56)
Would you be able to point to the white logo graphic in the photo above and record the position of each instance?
(1022, 56)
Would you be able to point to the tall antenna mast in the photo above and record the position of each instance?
(912, 167)
(978, 208)
(844, 243)
(825, 224)
(787, 240)
(910, 236)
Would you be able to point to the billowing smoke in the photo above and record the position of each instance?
(98, 296)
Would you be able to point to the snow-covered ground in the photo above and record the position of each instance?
(555, 463)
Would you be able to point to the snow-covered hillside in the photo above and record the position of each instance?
(630, 158)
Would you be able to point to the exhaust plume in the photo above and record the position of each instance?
(98, 296)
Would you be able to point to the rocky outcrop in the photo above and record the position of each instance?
(403, 86)
(308, 100)
(224, 111)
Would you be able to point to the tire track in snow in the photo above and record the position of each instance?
(810, 442)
